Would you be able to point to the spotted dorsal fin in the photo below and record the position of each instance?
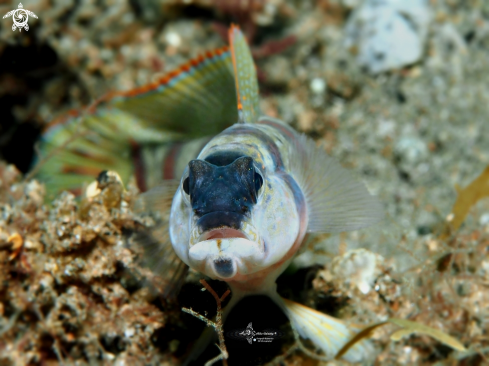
(244, 76)
(193, 101)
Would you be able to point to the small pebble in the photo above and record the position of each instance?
(173, 39)
(318, 86)
(129, 332)
(484, 219)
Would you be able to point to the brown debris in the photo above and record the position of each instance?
(466, 198)
(63, 296)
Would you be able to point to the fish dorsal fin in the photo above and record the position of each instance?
(336, 200)
(193, 101)
(196, 99)
(244, 76)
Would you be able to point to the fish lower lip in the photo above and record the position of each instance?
(224, 233)
(246, 231)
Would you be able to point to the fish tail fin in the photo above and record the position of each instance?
(326, 332)
(245, 78)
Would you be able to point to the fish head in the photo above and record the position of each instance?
(231, 220)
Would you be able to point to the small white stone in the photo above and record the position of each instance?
(318, 86)
(338, 107)
(388, 34)
(484, 267)
(126, 51)
(411, 149)
(386, 128)
(359, 266)
(128, 18)
(173, 39)
(46, 280)
(106, 54)
(92, 190)
(129, 332)
(484, 219)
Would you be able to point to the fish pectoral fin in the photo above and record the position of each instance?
(245, 78)
(327, 333)
(336, 200)
(158, 252)
(159, 198)
(161, 259)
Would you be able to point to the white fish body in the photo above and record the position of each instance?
(294, 197)
(303, 190)
(244, 206)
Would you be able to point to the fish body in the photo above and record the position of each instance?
(247, 214)
(246, 198)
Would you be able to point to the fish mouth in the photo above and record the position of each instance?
(222, 233)
(222, 230)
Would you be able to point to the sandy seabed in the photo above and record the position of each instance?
(72, 290)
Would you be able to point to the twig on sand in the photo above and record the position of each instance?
(217, 325)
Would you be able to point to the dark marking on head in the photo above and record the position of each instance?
(230, 191)
(223, 158)
(224, 267)
(218, 219)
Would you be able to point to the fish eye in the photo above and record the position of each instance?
(185, 186)
(258, 181)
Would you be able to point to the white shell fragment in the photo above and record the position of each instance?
(318, 86)
(359, 267)
(92, 190)
(388, 34)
